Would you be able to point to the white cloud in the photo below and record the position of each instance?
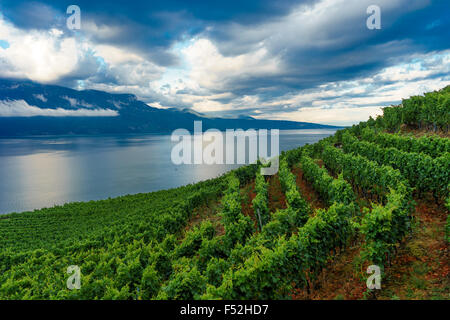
(422, 67)
(333, 116)
(115, 55)
(157, 105)
(211, 70)
(76, 103)
(40, 97)
(349, 102)
(340, 103)
(49, 56)
(37, 55)
(73, 102)
(20, 108)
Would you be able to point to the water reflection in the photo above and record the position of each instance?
(42, 172)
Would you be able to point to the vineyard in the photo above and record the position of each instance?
(373, 179)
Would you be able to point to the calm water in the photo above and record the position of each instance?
(44, 171)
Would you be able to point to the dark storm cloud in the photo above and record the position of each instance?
(148, 26)
(339, 47)
(146, 12)
(332, 44)
(31, 14)
(153, 26)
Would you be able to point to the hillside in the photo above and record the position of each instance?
(373, 194)
(28, 108)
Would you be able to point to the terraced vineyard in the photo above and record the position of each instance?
(258, 237)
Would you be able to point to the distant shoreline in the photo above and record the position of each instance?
(82, 135)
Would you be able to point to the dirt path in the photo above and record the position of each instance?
(306, 189)
(277, 200)
(248, 193)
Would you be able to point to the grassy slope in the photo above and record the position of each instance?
(63, 225)
(419, 271)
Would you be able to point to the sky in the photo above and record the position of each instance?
(311, 60)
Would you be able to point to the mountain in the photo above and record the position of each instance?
(28, 108)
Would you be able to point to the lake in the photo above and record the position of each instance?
(40, 172)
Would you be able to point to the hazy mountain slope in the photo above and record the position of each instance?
(126, 114)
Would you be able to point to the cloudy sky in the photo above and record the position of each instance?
(307, 60)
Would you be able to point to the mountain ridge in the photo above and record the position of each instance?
(41, 109)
